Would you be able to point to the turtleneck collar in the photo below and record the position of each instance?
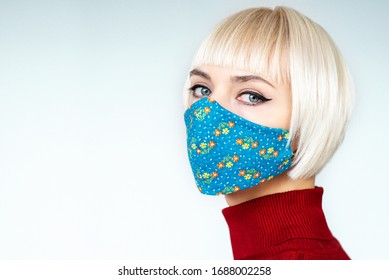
(260, 224)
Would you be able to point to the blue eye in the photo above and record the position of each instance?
(200, 91)
(252, 98)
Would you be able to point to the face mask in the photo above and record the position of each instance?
(228, 153)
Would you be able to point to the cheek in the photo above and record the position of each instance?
(191, 100)
(278, 113)
(274, 114)
(283, 115)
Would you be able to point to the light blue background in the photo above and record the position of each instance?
(92, 141)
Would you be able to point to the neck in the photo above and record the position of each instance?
(279, 184)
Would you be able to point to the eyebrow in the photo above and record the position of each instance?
(242, 79)
(234, 79)
(197, 72)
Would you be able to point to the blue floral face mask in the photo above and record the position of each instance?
(228, 153)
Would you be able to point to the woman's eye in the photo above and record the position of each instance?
(252, 98)
(200, 91)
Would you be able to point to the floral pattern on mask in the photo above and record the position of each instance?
(228, 153)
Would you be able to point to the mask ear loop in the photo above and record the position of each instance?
(293, 144)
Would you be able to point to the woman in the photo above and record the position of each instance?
(269, 99)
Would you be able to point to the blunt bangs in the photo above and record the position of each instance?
(251, 40)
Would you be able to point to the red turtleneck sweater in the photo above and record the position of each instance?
(283, 226)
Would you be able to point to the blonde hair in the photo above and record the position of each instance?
(285, 46)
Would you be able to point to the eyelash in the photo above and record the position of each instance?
(256, 94)
(193, 89)
(261, 98)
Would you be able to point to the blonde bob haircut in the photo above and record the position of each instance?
(285, 46)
